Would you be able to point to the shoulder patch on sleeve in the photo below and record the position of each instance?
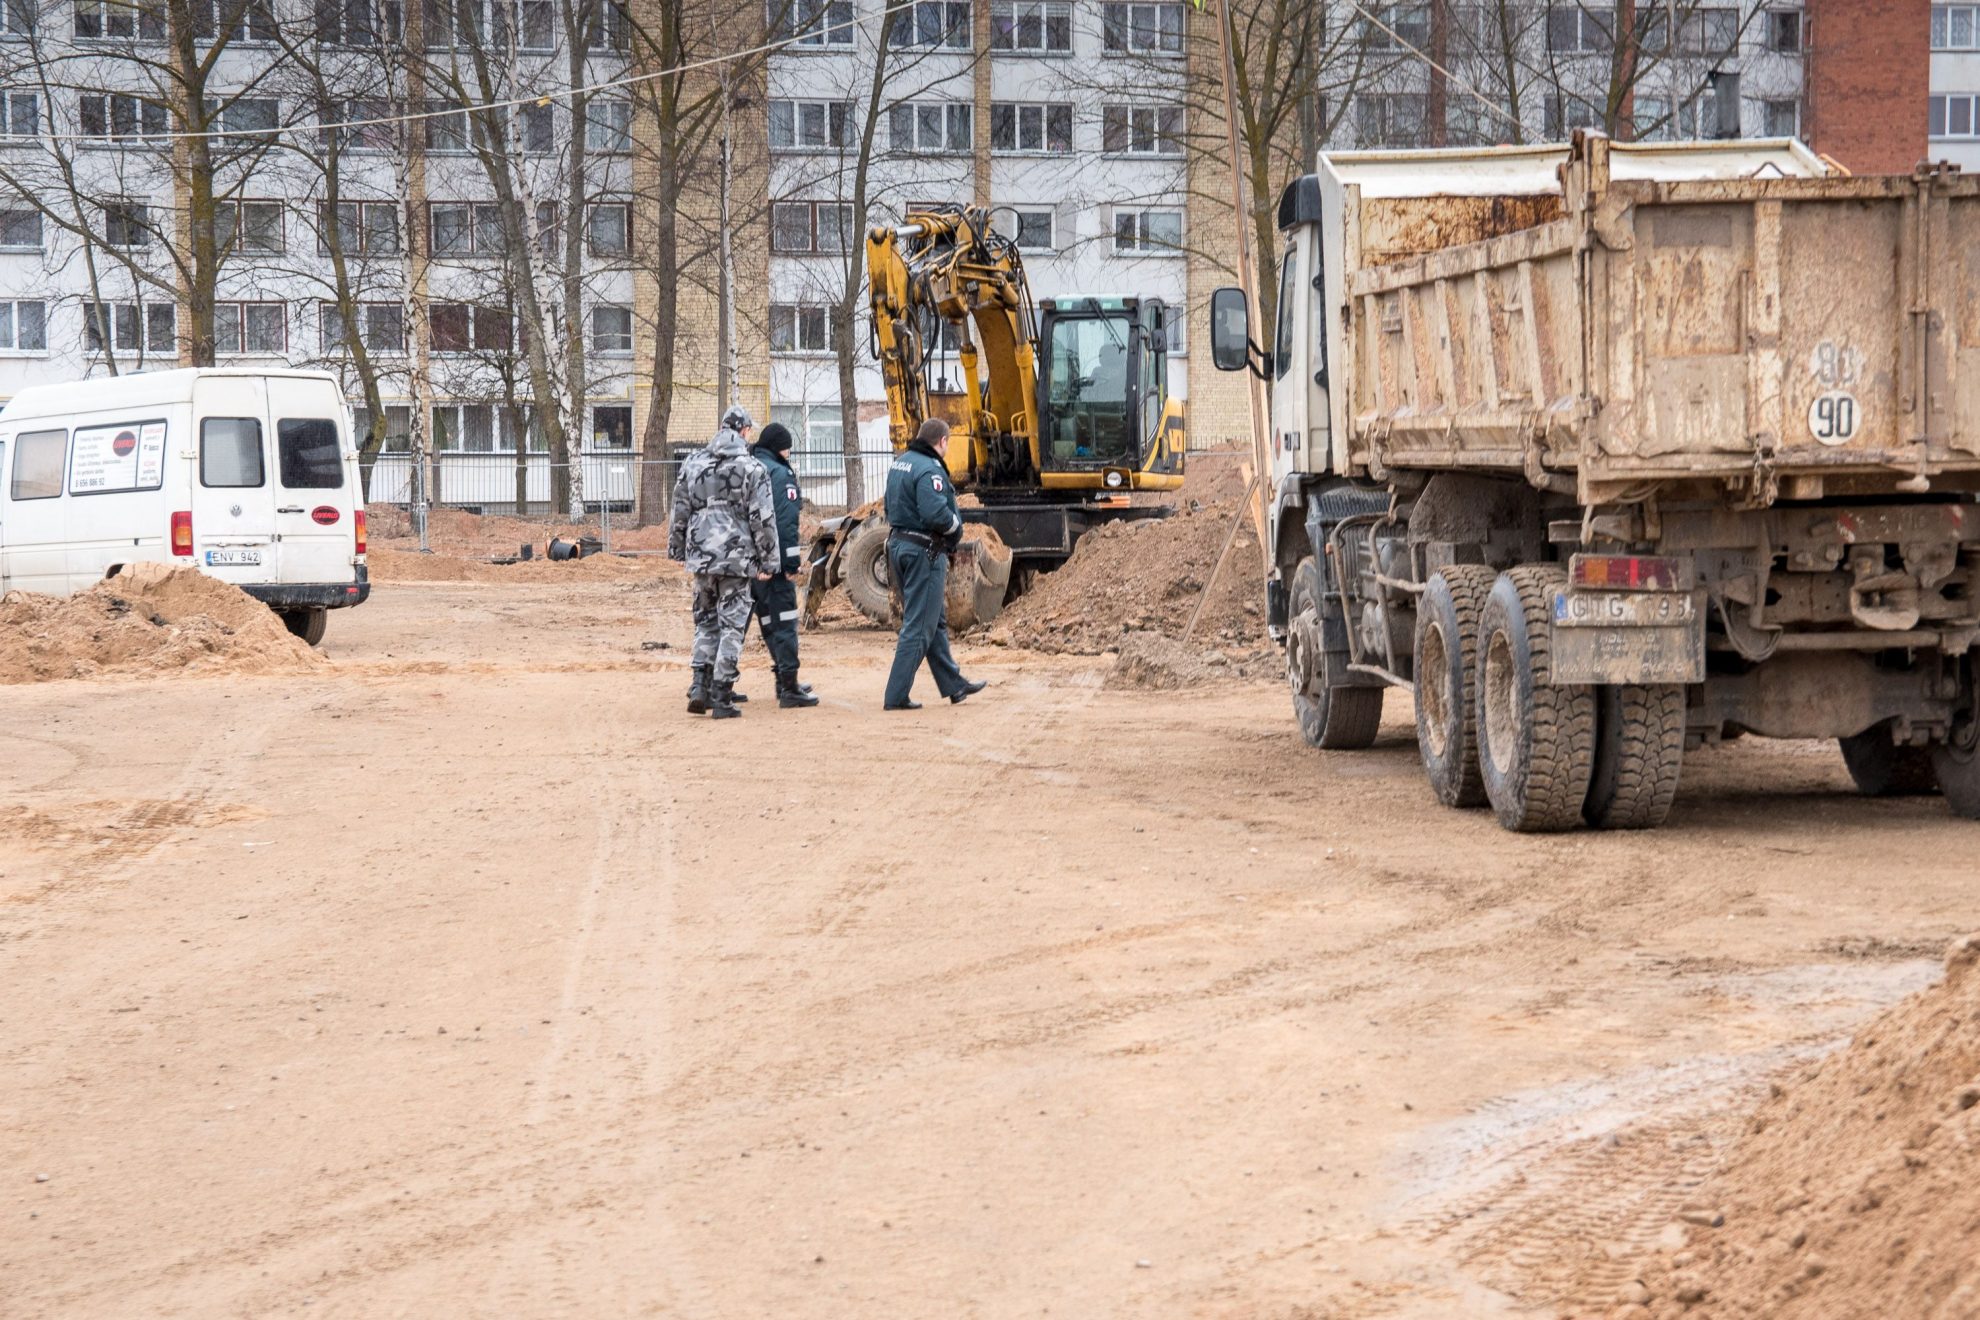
(937, 481)
(790, 492)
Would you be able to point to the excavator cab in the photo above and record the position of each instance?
(1103, 393)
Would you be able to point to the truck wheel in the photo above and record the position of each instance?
(1536, 741)
(1446, 658)
(1958, 765)
(1881, 768)
(1331, 714)
(864, 563)
(307, 623)
(1639, 754)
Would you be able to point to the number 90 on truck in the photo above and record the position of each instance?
(1610, 451)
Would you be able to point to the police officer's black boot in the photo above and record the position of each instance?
(699, 694)
(791, 693)
(723, 704)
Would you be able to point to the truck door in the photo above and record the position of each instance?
(313, 505)
(233, 490)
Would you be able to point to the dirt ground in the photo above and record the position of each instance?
(467, 976)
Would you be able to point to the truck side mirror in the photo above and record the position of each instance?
(1230, 330)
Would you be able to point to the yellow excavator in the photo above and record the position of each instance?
(1065, 411)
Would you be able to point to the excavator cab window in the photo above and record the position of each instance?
(1088, 375)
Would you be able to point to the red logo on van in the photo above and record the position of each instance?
(325, 515)
(125, 442)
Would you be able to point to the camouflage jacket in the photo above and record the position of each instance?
(724, 522)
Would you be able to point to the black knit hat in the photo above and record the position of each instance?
(775, 436)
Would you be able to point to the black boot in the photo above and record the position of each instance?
(723, 707)
(791, 693)
(699, 695)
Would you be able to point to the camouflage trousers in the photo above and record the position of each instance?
(721, 612)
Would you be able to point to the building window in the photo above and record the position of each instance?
(1955, 27)
(369, 125)
(131, 327)
(530, 24)
(398, 427)
(466, 229)
(24, 326)
(238, 20)
(260, 328)
(1563, 115)
(122, 118)
(1784, 31)
(928, 127)
(1390, 119)
(610, 231)
(1141, 232)
(1953, 116)
(249, 120)
(808, 125)
(1031, 229)
(933, 25)
(361, 228)
(1780, 118)
(800, 228)
(1409, 23)
(610, 27)
(1144, 29)
(360, 23)
(1573, 30)
(611, 426)
(1031, 128)
(381, 326)
(452, 132)
(539, 129)
(801, 328)
(1141, 130)
(1031, 27)
(126, 224)
(466, 328)
(611, 331)
(20, 114)
(110, 20)
(803, 24)
(607, 125)
(20, 228)
(248, 226)
(17, 18)
(1701, 32)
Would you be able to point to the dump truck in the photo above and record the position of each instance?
(1607, 452)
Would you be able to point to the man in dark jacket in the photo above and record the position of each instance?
(925, 527)
(725, 530)
(776, 595)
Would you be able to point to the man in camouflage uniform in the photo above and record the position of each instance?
(725, 530)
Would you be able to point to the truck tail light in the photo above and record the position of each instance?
(1630, 572)
(182, 532)
(358, 517)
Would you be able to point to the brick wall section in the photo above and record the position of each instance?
(1869, 77)
(1219, 408)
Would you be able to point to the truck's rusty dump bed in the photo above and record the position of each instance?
(1800, 333)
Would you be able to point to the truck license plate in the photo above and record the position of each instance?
(1623, 609)
(233, 557)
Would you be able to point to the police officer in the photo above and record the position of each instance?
(776, 596)
(925, 530)
(724, 529)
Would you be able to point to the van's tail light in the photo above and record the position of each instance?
(359, 516)
(182, 532)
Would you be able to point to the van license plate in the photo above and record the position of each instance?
(232, 558)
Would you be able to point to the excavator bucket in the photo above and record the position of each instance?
(853, 550)
(978, 578)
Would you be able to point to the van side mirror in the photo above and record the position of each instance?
(1230, 330)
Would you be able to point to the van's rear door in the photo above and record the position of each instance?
(315, 488)
(233, 486)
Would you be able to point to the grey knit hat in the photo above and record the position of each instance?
(737, 419)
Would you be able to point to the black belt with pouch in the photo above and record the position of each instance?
(922, 539)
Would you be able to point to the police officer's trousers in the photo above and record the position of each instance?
(721, 612)
(923, 576)
(777, 616)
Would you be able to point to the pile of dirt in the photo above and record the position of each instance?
(1857, 1191)
(148, 619)
(1150, 662)
(1145, 576)
(396, 565)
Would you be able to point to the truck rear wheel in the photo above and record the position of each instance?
(1332, 714)
(1536, 741)
(307, 622)
(864, 564)
(1881, 768)
(1446, 660)
(1957, 762)
(1639, 755)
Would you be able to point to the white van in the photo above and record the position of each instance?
(250, 476)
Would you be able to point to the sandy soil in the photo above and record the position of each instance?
(468, 976)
